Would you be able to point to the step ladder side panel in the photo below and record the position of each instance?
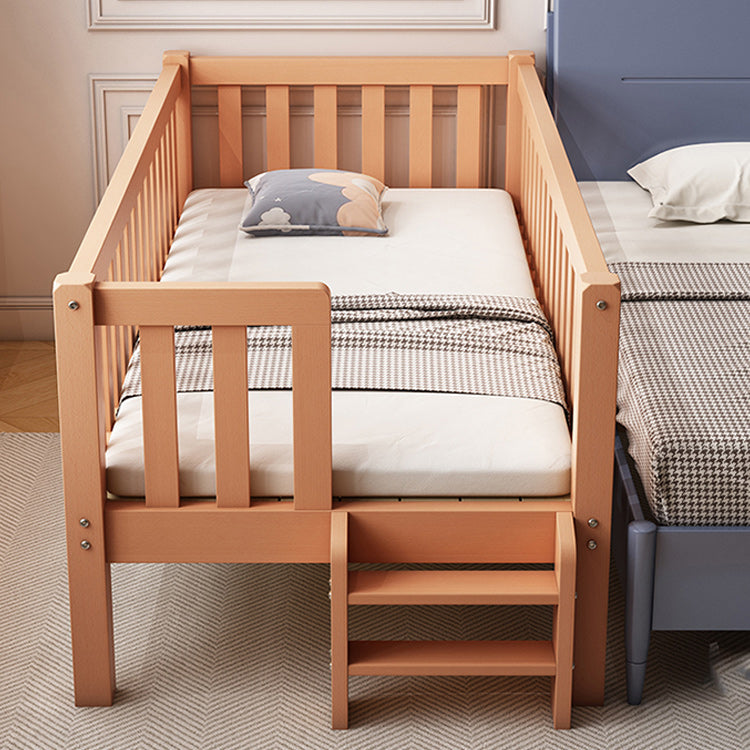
(339, 620)
(564, 619)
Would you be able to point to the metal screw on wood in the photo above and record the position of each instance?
(85, 523)
(73, 305)
(591, 544)
(601, 304)
(85, 544)
(593, 522)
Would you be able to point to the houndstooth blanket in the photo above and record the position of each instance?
(498, 346)
(684, 388)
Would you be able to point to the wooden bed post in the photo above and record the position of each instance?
(513, 123)
(592, 466)
(82, 437)
(183, 112)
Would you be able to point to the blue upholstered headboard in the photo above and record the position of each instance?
(631, 78)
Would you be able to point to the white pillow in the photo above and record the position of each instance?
(702, 183)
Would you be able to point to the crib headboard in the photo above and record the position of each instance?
(631, 79)
(369, 83)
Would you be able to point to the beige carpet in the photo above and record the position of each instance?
(236, 656)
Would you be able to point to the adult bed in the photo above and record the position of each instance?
(629, 81)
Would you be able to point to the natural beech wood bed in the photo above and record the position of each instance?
(111, 294)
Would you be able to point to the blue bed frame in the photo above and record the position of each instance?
(627, 80)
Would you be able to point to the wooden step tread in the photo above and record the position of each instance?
(452, 587)
(451, 658)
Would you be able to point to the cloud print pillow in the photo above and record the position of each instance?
(312, 202)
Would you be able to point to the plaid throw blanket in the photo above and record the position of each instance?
(684, 388)
(498, 346)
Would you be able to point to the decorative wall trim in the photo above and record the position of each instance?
(233, 15)
(14, 302)
(118, 100)
(112, 110)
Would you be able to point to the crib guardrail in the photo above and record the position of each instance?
(581, 300)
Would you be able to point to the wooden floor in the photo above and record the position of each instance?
(28, 389)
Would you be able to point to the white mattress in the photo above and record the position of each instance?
(619, 213)
(386, 444)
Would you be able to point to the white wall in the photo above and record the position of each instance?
(47, 57)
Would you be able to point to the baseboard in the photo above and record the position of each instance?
(26, 318)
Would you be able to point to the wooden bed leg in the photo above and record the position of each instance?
(91, 627)
(82, 437)
(339, 620)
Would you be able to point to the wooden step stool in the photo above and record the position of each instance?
(444, 536)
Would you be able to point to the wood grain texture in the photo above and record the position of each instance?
(325, 126)
(277, 128)
(373, 131)
(159, 405)
(339, 621)
(451, 658)
(28, 387)
(230, 136)
(420, 136)
(231, 417)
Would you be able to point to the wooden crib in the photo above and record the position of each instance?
(111, 294)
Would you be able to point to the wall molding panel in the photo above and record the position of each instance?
(233, 15)
(116, 103)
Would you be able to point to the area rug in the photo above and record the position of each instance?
(218, 657)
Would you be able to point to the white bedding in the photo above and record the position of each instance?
(619, 213)
(386, 444)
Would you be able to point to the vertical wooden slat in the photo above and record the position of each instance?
(231, 422)
(140, 237)
(325, 115)
(173, 171)
(468, 137)
(277, 127)
(152, 224)
(183, 124)
(230, 136)
(514, 119)
(339, 620)
(160, 449)
(105, 378)
(161, 238)
(108, 365)
(128, 276)
(163, 203)
(569, 292)
(311, 396)
(420, 136)
(373, 131)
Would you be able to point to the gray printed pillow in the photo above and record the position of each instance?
(314, 201)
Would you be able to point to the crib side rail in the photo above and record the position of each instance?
(142, 196)
(581, 299)
(135, 222)
(156, 308)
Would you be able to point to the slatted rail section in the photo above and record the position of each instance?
(419, 75)
(130, 235)
(228, 308)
